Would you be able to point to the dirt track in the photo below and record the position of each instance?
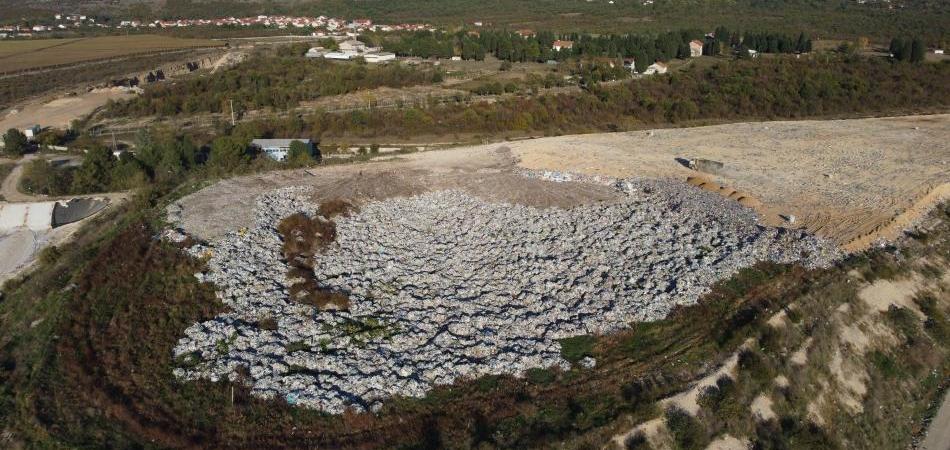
(59, 112)
(842, 179)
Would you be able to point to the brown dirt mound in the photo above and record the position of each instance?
(725, 191)
(303, 238)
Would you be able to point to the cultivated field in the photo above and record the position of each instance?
(34, 54)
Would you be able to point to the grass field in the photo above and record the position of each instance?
(33, 54)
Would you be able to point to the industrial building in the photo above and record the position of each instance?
(278, 149)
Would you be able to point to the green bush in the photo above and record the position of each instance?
(688, 433)
(576, 348)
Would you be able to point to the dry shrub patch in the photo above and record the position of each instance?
(303, 237)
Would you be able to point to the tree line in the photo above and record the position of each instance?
(726, 41)
(735, 90)
(538, 47)
(903, 49)
(161, 158)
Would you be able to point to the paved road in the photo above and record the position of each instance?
(938, 436)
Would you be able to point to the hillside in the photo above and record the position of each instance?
(823, 18)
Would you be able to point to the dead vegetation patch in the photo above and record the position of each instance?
(304, 237)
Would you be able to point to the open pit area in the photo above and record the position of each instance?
(460, 263)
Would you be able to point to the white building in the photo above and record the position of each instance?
(340, 55)
(656, 68)
(277, 149)
(559, 45)
(379, 57)
(695, 48)
(352, 45)
(32, 132)
(316, 52)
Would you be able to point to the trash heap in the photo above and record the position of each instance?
(445, 286)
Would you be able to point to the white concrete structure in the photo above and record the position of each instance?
(277, 149)
(316, 52)
(32, 132)
(340, 55)
(379, 57)
(33, 216)
(655, 68)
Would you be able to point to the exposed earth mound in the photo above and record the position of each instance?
(443, 285)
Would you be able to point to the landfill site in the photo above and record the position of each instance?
(349, 285)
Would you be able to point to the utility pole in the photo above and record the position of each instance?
(232, 111)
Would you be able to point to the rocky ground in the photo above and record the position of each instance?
(444, 285)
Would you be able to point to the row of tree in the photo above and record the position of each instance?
(539, 47)
(725, 41)
(912, 50)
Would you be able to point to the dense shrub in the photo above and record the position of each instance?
(781, 88)
(267, 82)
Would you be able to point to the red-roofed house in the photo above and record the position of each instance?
(695, 48)
(559, 45)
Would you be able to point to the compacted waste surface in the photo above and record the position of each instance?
(444, 286)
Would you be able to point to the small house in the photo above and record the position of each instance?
(32, 132)
(352, 45)
(695, 48)
(278, 149)
(559, 45)
(656, 68)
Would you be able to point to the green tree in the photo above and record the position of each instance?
(40, 177)
(917, 50)
(228, 154)
(128, 173)
(15, 142)
(299, 154)
(95, 173)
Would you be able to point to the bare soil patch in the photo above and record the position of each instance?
(847, 180)
(851, 181)
(59, 112)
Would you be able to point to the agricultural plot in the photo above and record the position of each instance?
(18, 56)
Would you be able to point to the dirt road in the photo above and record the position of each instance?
(10, 187)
